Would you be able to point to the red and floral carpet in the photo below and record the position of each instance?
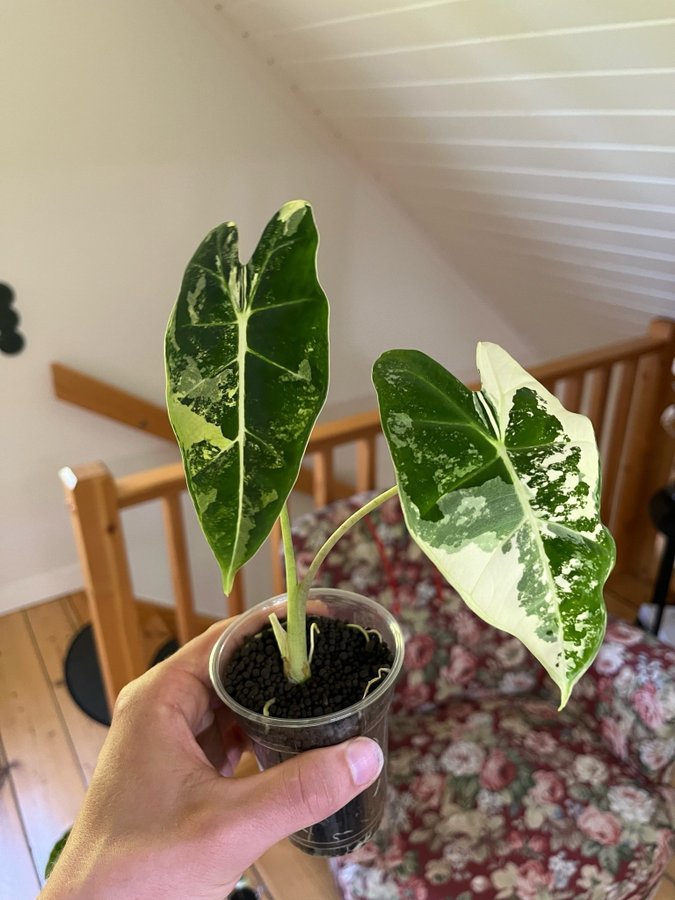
(493, 792)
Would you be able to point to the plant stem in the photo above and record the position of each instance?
(296, 661)
(289, 555)
(306, 583)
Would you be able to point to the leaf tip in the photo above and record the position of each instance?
(290, 208)
(565, 693)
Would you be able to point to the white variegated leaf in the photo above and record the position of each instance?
(501, 488)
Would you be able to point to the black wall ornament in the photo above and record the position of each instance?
(11, 340)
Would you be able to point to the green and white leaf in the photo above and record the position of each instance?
(247, 374)
(501, 488)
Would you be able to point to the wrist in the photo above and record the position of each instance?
(83, 877)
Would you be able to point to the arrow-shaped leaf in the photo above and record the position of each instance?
(500, 488)
(247, 374)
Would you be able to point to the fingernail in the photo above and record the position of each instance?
(365, 760)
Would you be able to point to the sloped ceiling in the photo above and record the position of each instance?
(533, 140)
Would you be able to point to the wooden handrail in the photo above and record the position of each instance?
(566, 366)
(106, 400)
(155, 483)
(103, 398)
(150, 484)
(360, 425)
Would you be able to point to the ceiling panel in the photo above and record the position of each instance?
(538, 133)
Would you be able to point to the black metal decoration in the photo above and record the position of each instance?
(11, 340)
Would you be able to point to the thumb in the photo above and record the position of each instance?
(303, 790)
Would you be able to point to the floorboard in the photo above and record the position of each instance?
(18, 876)
(52, 632)
(43, 765)
(288, 872)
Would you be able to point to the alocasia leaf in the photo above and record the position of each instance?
(500, 488)
(247, 374)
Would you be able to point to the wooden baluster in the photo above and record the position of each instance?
(655, 466)
(322, 489)
(235, 601)
(365, 464)
(631, 505)
(179, 566)
(278, 574)
(572, 391)
(598, 401)
(91, 497)
(617, 433)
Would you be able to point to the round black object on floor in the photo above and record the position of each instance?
(83, 674)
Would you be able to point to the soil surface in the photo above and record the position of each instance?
(343, 664)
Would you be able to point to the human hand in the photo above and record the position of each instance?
(163, 818)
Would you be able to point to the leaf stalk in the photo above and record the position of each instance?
(341, 530)
(296, 659)
(292, 642)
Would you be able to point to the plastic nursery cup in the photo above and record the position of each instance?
(275, 739)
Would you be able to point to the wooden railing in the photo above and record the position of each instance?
(623, 388)
(106, 400)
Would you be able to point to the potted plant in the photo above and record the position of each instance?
(499, 487)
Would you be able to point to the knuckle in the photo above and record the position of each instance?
(132, 694)
(124, 700)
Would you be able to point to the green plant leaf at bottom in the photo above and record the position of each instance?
(500, 488)
(56, 852)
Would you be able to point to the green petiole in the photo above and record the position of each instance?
(292, 641)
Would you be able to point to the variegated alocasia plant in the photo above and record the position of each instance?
(246, 353)
(499, 487)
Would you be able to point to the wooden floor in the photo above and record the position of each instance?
(49, 747)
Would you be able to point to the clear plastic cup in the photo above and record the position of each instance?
(275, 739)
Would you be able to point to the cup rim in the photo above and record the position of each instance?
(315, 721)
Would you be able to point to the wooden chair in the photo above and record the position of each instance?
(623, 388)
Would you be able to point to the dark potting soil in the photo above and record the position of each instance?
(342, 666)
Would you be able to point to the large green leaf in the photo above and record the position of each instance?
(500, 488)
(247, 375)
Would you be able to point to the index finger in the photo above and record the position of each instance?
(193, 657)
(181, 683)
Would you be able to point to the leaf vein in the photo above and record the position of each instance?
(261, 270)
(458, 484)
(225, 287)
(451, 404)
(262, 309)
(277, 365)
(218, 372)
(256, 437)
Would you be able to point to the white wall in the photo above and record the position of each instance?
(130, 130)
